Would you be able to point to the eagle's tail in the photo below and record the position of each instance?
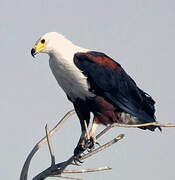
(126, 118)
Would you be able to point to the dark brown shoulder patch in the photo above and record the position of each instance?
(103, 60)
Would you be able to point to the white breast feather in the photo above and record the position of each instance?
(70, 78)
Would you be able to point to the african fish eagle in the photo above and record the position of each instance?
(95, 83)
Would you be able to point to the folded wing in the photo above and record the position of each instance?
(108, 79)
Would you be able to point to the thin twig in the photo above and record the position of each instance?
(103, 131)
(132, 126)
(66, 177)
(108, 144)
(24, 172)
(86, 129)
(86, 170)
(142, 125)
(50, 146)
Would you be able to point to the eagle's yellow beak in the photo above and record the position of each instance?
(38, 47)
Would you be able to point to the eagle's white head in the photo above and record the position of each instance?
(54, 43)
(51, 43)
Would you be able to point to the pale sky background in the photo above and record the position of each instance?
(139, 34)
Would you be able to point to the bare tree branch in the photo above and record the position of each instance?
(59, 168)
(87, 170)
(108, 144)
(50, 146)
(142, 125)
(86, 129)
(56, 170)
(67, 177)
(24, 172)
(133, 126)
(81, 171)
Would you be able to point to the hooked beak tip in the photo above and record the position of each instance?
(33, 52)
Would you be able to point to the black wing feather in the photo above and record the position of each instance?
(116, 85)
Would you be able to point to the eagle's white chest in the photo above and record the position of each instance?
(70, 78)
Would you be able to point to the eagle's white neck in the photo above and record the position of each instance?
(58, 46)
(68, 76)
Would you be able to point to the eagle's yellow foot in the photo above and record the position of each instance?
(91, 143)
(79, 150)
(77, 160)
(83, 145)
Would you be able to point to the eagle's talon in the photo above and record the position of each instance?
(77, 156)
(79, 150)
(98, 144)
(89, 150)
(91, 143)
(77, 161)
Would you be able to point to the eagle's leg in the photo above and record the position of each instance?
(83, 143)
(92, 133)
(81, 146)
(88, 139)
(86, 130)
(84, 116)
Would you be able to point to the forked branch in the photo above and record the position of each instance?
(25, 169)
(56, 170)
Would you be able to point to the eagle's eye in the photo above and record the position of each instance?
(43, 41)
